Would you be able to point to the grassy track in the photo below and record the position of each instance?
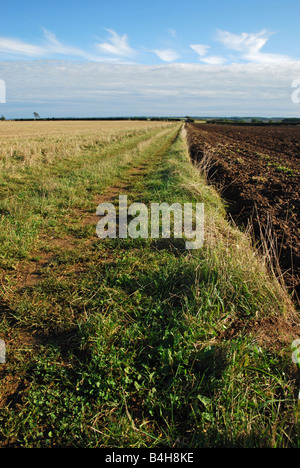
(136, 343)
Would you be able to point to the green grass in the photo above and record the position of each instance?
(141, 343)
(40, 196)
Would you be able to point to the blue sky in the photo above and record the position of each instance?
(100, 58)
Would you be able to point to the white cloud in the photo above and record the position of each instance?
(63, 88)
(117, 45)
(100, 86)
(244, 47)
(51, 47)
(245, 42)
(200, 49)
(17, 47)
(250, 45)
(167, 55)
(214, 60)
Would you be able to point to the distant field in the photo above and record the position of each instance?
(27, 143)
(10, 129)
(129, 343)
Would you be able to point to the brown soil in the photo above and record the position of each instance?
(257, 170)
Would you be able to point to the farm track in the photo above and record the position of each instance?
(28, 274)
(31, 272)
(257, 171)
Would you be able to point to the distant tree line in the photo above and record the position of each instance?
(228, 121)
(162, 119)
(255, 121)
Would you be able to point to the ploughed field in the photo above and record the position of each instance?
(257, 169)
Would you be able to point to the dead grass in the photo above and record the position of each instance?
(30, 143)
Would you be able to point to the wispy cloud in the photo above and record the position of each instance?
(214, 60)
(202, 50)
(50, 47)
(117, 45)
(250, 45)
(243, 47)
(241, 79)
(17, 47)
(54, 47)
(244, 42)
(167, 55)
